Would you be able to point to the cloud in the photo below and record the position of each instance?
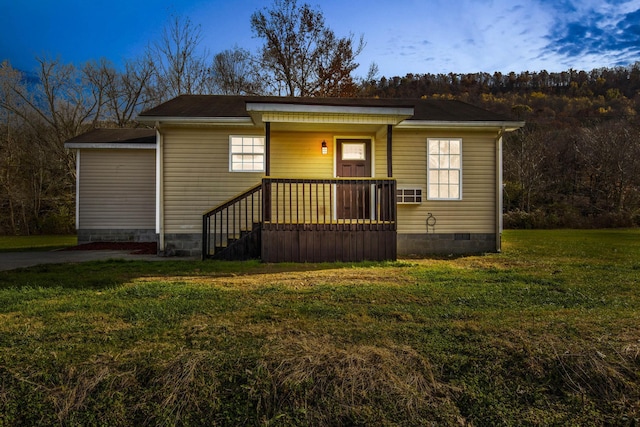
(606, 31)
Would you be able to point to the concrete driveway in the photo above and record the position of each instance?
(13, 260)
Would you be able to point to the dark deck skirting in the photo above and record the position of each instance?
(328, 242)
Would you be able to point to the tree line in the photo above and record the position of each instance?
(577, 161)
(574, 164)
(39, 111)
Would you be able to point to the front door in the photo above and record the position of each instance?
(353, 159)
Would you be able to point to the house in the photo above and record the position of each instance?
(297, 179)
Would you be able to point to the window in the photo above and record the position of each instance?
(246, 154)
(354, 151)
(444, 169)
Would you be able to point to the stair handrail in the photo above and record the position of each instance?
(225, 206)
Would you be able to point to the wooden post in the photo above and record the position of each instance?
(389, 151)
(267, 149)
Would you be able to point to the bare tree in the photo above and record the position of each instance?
(303, 55)
(610, 158)
(235, 72)
(121, 94)
(39, 115)
(525, 156)
(180, 68)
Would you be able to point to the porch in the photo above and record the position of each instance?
(305, 220)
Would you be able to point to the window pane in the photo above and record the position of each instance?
(434, 162)
(257, 162)
(444, 162)
(454, 146)
(454, 177)
(444, 147)
(454, 162)
(454, 192)
(433, 146)
(443, 177)
(443, 190)
(433, 191)
(353, 151)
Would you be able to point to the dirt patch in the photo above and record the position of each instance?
(136, 248)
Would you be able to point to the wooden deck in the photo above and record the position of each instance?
(306, 220)
(329, 220)
(328, 242)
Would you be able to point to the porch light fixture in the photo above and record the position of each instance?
(324, 148)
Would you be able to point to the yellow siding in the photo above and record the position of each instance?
(117, 189)
(381, 153)
(197, 178)
(299, 155)
(476, 212)
(196, 169)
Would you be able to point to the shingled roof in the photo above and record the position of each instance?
(116, 136)
(201, 106)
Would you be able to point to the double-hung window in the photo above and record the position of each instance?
(444, 168)
(246, 153)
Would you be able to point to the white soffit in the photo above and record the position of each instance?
(508, 126)
(307, 113)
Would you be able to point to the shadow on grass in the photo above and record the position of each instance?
(112, 273)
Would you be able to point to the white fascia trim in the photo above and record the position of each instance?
(337, 109)
(110, 145)
(159, 141)
(429, 124)
(234, 121)
(77, 189)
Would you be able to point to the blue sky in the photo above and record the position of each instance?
(402, 36)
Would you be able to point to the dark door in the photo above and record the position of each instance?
(353, 159)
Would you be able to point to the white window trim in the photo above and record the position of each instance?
(429, 197)
(231, 153)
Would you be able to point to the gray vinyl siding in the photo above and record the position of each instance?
(117, 189)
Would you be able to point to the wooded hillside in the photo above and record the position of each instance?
(577, 162)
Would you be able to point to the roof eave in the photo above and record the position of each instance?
(508, 126)
(234, 121)
(324, 109)
(111, 145)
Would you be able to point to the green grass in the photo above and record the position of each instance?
(36, 243)
(545, 333)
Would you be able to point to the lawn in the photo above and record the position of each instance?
(36, 243)
(545, 333)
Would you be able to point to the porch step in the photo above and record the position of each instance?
(246, 246)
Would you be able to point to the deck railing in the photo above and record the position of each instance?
(305, 220)
(329, 201)
(327, 220)
(231, 220)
